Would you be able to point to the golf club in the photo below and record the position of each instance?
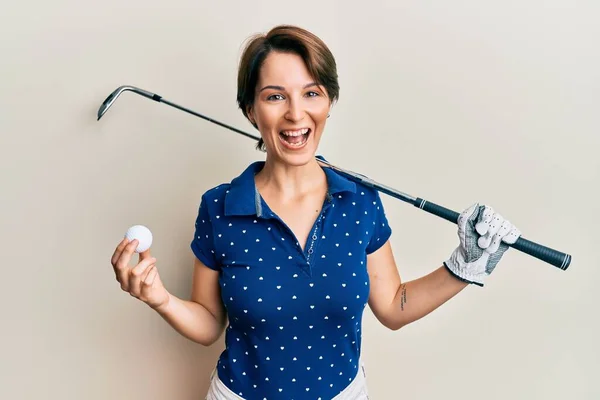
(551, 256)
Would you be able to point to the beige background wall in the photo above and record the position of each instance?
(455, 102)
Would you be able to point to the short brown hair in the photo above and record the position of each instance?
(290, 39)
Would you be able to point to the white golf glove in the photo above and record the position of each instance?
(484, 237)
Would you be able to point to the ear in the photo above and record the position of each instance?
(250, 114)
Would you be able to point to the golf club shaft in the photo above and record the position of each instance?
(556, 258)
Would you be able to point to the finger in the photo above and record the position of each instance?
(125, 256)
(494, 225)
(135, 277)
(469, 213)
(505, 228)
(144, 274)
(122, 264)
(144, 254)
(148, 280)
(121, 267)
(138, 273)
(484, 241)
(492, 228)
(152, 276)
(120, 273)
(512, 236)
(464, 218)
(485, 220)
(118, 251)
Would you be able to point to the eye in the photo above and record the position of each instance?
(275, 97)
(312, 94)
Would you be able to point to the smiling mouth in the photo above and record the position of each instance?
(295, 138)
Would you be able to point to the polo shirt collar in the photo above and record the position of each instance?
(336, 182)
(243, 197)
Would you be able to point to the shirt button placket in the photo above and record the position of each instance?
(314, 241)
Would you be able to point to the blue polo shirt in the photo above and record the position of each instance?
(294, 315)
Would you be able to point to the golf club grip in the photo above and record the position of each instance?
(551, 256)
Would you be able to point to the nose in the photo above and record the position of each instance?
(294, 111)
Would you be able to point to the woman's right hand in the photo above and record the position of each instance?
(142, 281)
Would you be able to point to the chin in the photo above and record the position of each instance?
(297, 160)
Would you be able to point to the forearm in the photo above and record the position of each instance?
(191, 320)
(417, 298)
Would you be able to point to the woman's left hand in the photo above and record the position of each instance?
(484, 237)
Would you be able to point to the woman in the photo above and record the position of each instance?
(290, 252)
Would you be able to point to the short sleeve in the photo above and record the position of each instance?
(381, 228)
(203, 244)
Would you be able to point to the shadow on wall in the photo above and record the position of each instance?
(186, 159)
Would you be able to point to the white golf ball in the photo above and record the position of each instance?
(142, 234)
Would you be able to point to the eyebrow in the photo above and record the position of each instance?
(282, 88)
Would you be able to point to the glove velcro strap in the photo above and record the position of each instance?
(460, 278)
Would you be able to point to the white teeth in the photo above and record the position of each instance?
(295, 133)
(297, 144)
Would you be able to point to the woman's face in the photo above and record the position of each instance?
(290, 109)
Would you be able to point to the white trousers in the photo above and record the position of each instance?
(357, 390)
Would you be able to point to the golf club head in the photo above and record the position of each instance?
(117, 92)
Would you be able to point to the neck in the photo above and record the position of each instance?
(289, 181)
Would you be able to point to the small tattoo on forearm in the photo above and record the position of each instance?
(402, 296)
